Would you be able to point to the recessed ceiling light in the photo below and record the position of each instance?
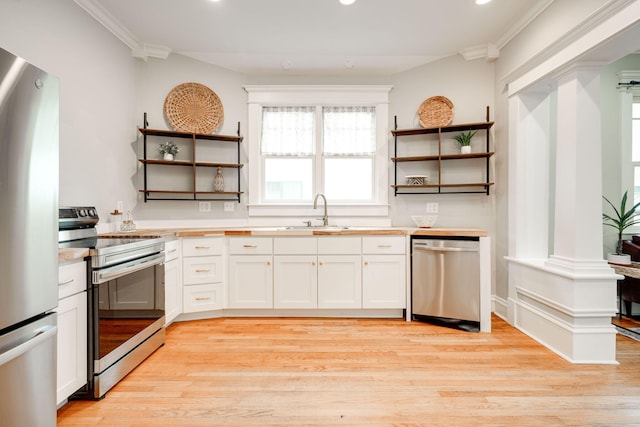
(347, 2)
(482, 1)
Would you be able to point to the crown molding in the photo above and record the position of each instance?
(107, 20)
(488, 51)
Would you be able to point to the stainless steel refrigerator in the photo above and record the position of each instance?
(29, 122)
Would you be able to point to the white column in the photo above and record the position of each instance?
(578, 202)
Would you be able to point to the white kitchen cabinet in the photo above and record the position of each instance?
(384, 272)
(203, 274)
(339, 281)
(250, 281)
(295, 281)
(172, 280)
(295, 272)
(339, 272)
(72, 330)
(250, 272)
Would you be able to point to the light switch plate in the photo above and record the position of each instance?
(229, 206)
(432, 208)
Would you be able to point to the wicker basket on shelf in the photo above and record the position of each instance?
(192, 107)
(436, 111)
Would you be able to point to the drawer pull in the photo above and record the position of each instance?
(203, 247)
(172, 251)
(313, 263)
(268, 263)
(66, 282)
(384, 246)
(203, 298)
(366, 263)
(250, 246)
(202, 271)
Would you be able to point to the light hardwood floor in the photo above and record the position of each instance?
(332, 372)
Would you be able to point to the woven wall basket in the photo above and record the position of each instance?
(192, 107)
(435, 112)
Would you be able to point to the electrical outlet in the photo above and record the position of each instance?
(229, 206)
(204, 206)
(432, 208)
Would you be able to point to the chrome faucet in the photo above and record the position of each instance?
(325, 217)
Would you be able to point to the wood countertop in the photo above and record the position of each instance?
(285, 231)
(70, 254)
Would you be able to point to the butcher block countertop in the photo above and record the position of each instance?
(70, 254)
(299, 231)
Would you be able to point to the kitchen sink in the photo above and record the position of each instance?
(317, 228)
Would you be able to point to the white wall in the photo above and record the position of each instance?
(97, 95)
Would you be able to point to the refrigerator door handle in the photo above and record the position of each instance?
(42, 334)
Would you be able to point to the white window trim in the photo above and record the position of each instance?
(272, 95)
(626, 97)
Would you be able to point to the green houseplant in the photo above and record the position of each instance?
(168, 149)
(464, 139)
(621, 219)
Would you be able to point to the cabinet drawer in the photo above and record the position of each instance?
(205, 269)
(250, 245)
(202, 246)
(171, 250)
(72, 278)
(203, 298)
(339, 245)
(384, 245)
(295, 245)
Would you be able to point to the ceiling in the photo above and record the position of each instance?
(315, 37)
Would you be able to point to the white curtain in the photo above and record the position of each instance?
(349, 130)
(288, 131)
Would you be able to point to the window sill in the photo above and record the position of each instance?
(304, 210)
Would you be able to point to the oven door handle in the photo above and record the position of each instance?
(110, 273)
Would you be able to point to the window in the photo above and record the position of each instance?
(306, 140)
(344, 139)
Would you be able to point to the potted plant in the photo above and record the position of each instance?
(168, 149)
(464, 139)
(622, 219)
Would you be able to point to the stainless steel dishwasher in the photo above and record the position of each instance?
(445, 281)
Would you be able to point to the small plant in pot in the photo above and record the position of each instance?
(168, 149)
(464, 139)
(622, 219)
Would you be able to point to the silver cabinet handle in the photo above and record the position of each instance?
(203, 247)
(249, 246)
(66, 282)
(172, 251)
(384, 246)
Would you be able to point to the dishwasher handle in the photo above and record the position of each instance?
(441, 249)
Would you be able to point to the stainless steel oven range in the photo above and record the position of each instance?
(125, 298)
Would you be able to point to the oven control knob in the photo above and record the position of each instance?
(92, 212)
(82, 212)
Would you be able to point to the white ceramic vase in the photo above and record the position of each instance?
(218, 181)
(168, 156)
(465, 149)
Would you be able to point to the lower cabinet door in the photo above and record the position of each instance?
(203, 297)
(172, 291)
(339, 281)
(250, 281)
(384, 281)
(295, 279)
(71, 345)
